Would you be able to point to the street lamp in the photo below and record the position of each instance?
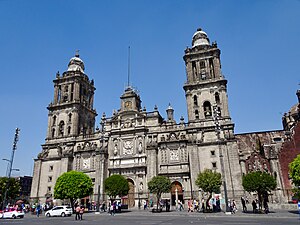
(216, 117)
(10, 164)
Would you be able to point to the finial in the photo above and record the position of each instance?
(199, 29)
(170, 107)
(103, 115)
(77, 53)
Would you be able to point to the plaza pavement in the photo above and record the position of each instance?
(280, 213)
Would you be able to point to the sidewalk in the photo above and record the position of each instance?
(140, 212)
(239, 213)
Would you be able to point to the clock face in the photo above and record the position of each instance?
(128, 104)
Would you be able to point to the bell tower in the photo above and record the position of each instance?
(206, 87)
(71, 112)
(130, 100)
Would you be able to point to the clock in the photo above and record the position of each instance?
(128, 105)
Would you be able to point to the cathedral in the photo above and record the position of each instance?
(140, 144)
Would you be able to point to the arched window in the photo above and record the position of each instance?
(53, 120)
(53, 133)
(61, 128)
(69, 130)
(66, 93)
(194, 68)
(195, 100)
(70, 117)
(59, 94)
(202, 64)
(196, 114)
(217, 97)
(207, 109)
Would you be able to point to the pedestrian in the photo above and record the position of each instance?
(102, 208)
(167, 205)
(77, 210)
(266, 200)
(254, 206)
(203, 205)
(81, 212)
(218, 204)
(112, 209)
(234, 208)
(180, 205)
(244, 204)
(190, 206)
(38, 208)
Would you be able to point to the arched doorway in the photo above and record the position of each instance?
(176, 185)
(129, 199)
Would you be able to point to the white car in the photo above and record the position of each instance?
(62, 210)
(11, 214)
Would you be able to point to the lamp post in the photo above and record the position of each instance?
(216, 117)
(10, 164)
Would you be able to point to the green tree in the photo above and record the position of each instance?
(12, 188)
(73, 185)
(259, 182)
(116, 185)
(209, 181)
(294, 168)
(158, 185)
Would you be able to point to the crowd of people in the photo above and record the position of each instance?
(193, 205)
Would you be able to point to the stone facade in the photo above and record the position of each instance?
(140, 144)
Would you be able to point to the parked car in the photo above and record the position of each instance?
(11, 213)
(62, 210)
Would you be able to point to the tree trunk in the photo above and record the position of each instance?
(157, 201)
(207, 201)
(259, 200)
(72, 204)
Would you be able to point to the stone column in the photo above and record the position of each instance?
(243, 166)
(75, 123)
(217, 68)
(35, 186)
(76, 92)
(49, 128)
(55, 100)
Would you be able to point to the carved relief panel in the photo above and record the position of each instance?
(127, 147)
(86, 163)
(163, 154)
(174, 155)
(140, 145)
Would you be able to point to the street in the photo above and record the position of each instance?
(177, 218)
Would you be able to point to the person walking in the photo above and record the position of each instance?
(244, 204)
(38, 208)
(254, 206)
(113, 209)
(81, 212)
(77, 210)
(234, 208)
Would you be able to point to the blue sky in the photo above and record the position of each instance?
(259, 42)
